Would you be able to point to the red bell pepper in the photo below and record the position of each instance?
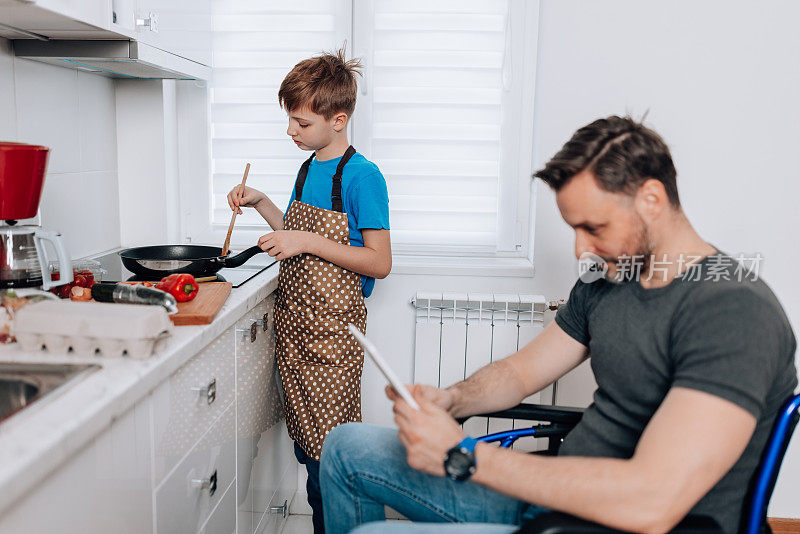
(181, 286)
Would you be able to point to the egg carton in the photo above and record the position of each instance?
(82, 346)
(91, 328)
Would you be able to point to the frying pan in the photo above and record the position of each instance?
(198, 260)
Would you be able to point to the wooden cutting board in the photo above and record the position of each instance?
(205, 306)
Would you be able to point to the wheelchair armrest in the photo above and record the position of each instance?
(560, 523)
(536, 412)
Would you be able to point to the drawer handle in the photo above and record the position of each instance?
(151, 22)
(263, 322)
(249, 333)
(209, 391)
(279, 510)
(209, 483)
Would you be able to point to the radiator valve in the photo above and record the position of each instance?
(556, 304)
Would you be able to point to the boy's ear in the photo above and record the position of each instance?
(339, 121)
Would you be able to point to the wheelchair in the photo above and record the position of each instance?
(560, 420)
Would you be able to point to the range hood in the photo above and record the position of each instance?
(112, 58)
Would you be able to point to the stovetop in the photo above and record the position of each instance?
(115, 271)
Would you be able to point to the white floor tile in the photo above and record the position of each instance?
(301, 524)
(298, 524)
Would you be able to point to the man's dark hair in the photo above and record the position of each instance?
(620, 152)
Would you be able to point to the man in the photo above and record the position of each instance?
(692, 355)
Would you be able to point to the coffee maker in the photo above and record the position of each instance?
(23, 257)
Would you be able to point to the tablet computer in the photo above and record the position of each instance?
(372, 352)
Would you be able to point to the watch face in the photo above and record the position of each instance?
(459, 464)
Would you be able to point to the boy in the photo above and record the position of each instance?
(333, 242)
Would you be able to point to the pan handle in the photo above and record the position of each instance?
(236, 261)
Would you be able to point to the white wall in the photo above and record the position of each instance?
(721, 83)
(147, 146)
(72, 113)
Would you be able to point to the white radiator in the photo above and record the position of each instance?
(457, 334)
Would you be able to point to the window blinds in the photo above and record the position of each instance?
(255, 44)
(438, 110)
(431, 116)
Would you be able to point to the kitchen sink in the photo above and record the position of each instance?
(24, 383)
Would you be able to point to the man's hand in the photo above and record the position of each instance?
(427, 433)
(283, 244)
(443, 398)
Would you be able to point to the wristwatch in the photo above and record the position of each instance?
(459, 464)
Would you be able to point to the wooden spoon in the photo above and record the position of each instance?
(233, 217)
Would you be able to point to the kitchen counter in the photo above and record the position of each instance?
(44, 435)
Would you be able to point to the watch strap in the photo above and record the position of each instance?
(468, 443)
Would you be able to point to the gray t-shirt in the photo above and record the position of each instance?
(727, 337)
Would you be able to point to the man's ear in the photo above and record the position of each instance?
(339, 121)
(651, 200)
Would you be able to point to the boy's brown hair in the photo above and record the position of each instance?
(325, 84)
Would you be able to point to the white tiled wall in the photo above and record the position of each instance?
(8, 115)
(74, 114)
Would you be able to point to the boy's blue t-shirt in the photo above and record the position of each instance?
(365, 198)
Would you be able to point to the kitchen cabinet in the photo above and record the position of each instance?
(105, 487)
(252, 426)
(182, 27)
(205, 451)
(186, 498)
(190, 401)
(94, 12)
(166, 38)
(264, 448)
(58, 19)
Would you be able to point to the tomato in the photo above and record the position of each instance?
(80, 280)
(88, 275)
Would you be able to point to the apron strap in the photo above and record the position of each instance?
(336, 189)
(301, 177)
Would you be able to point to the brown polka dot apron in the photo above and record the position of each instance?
(319, 360)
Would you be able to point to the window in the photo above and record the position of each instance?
(445, 110)
(255, 44)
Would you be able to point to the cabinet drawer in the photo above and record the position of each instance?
(182, 503)
(259, 404)
(183, 409)
(263, 445)
(269, 479)
(223, 519)
(287, 488)
(277, 512)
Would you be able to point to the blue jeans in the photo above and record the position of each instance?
(363, 468)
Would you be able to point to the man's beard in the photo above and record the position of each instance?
(640, 259)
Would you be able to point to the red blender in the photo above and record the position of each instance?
(23, 258)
